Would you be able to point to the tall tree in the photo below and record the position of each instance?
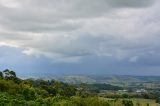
(9, 74)
(1, 74)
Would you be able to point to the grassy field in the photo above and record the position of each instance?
(136, 102)
(144, 102)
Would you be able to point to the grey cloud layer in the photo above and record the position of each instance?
(68, 30)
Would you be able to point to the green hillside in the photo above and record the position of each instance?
(17, 92)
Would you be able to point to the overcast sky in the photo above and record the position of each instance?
(80, 36)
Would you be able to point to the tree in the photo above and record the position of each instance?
(158, 100)
(9, 74)
(127, 103)
(1, 74)
(29, 94)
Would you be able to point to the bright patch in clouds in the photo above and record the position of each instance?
(10, 3)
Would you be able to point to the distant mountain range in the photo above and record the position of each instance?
(90, 79)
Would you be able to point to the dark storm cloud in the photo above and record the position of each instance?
(68, 30)
(29, 15)
(130, 3)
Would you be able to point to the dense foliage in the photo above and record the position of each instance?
(18, 92)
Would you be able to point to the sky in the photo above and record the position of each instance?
(80, 36)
